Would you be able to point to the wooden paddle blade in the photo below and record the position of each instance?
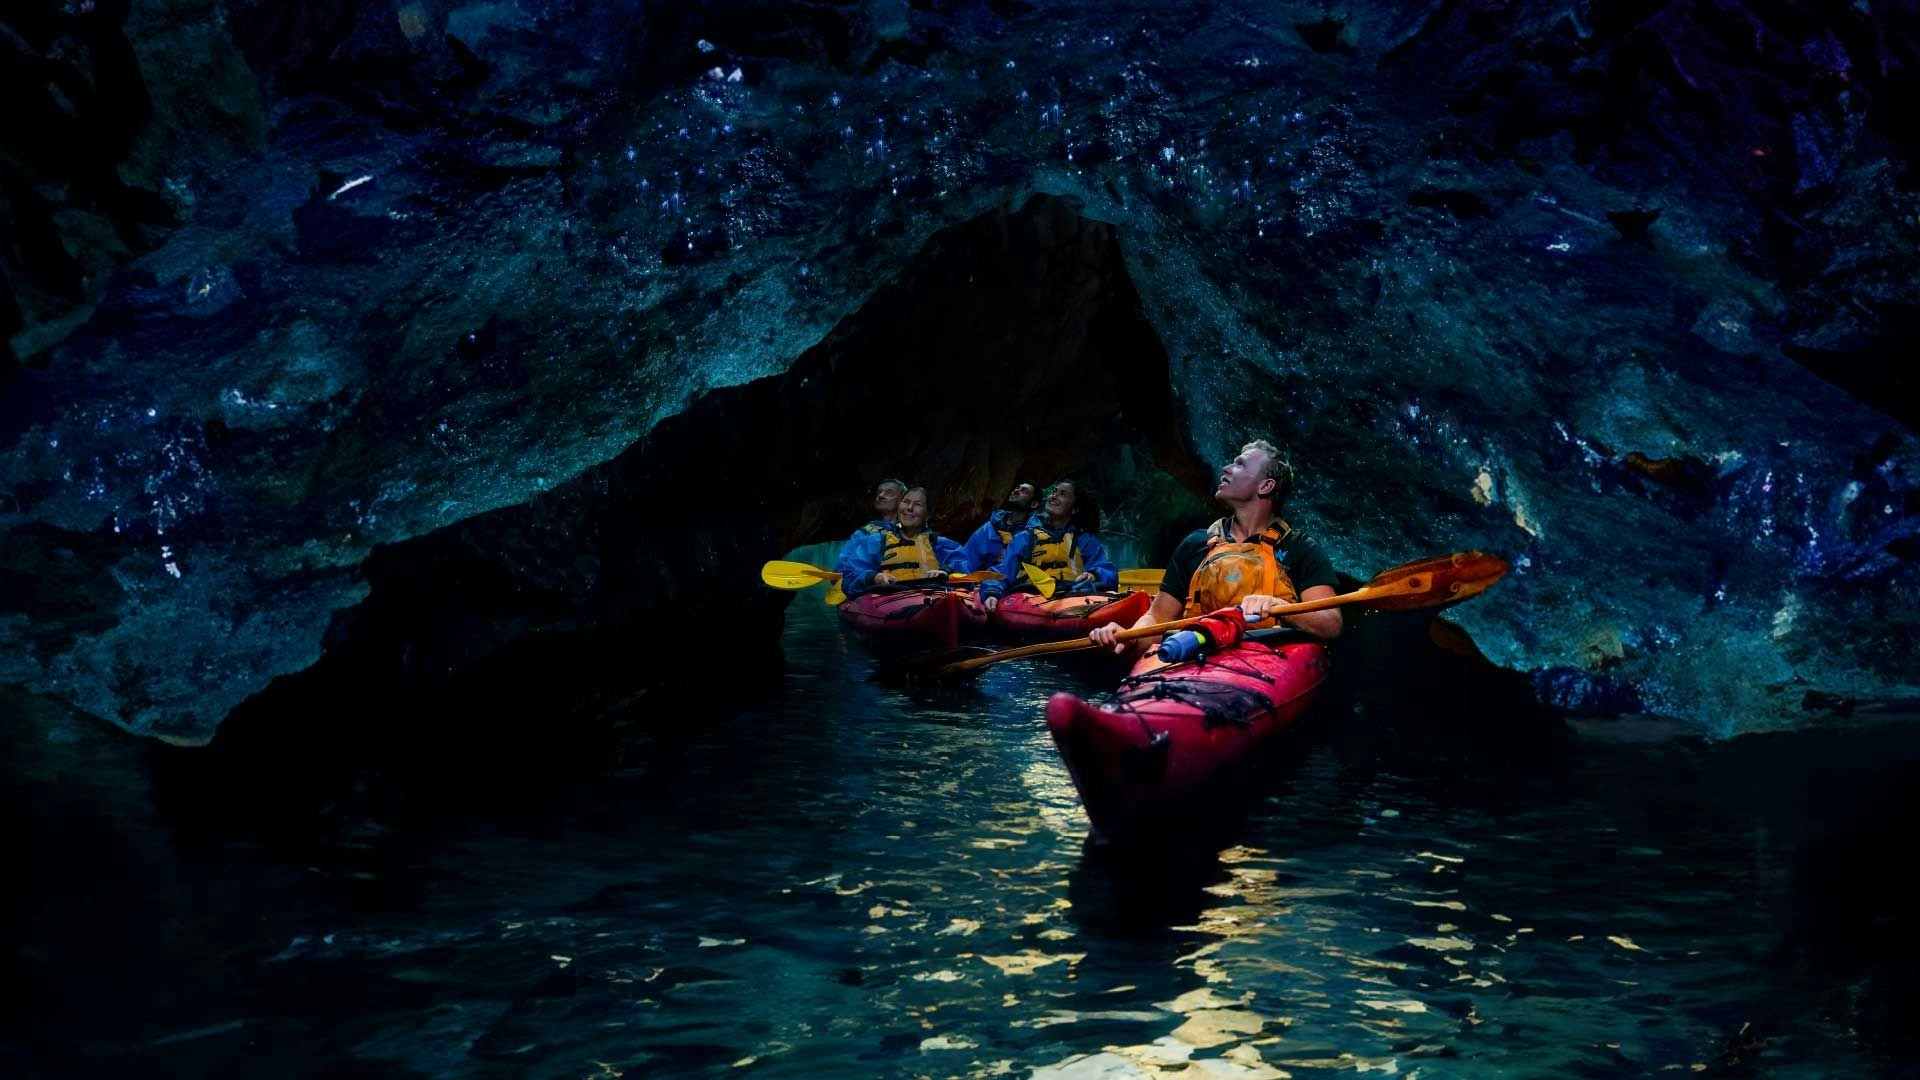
(782, 574)
(1040, 580)
(1437, 582)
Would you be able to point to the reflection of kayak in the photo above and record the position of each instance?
(906, 618)
(1171, 738)
(1064, 616)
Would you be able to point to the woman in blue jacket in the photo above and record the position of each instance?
(900, 553)
(1063, 541)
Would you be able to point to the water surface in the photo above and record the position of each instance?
(852, 879)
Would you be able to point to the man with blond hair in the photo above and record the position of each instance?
(1250, 558)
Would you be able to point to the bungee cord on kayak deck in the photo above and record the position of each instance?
(1241, 706)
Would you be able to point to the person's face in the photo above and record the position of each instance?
(886, 499)
(913, 509)
(1060, 500)
(1244, 478)
(1022, 495)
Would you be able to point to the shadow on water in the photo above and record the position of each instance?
(1141, 894)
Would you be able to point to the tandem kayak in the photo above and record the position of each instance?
(1030, 615)
(1173, 738)
(907, 618)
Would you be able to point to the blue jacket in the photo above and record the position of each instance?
(1086, 547)
(860, 558)
(984, 546)
(871, 527)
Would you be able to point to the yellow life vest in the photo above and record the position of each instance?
(908, 558)
(1231, 571)
(1054, 553)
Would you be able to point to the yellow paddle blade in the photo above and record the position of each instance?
(1141, 580)
(794, 575)
(835, 597)
(1040, 579)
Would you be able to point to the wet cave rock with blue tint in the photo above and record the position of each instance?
(399, 397)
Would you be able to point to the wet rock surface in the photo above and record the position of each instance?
(1621, 290)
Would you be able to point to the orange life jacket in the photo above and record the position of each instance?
(1231, 570)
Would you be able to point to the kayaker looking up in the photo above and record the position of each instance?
(1250, 558)
(886, 500)
(899, 553)
(886, 503)
(989, 542)
(1063, 541)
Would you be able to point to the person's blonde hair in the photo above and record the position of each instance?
(1279, 469)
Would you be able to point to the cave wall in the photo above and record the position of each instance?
(1621, 289)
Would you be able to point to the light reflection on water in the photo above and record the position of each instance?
(858, 880)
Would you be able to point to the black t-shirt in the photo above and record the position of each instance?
(1305, 563)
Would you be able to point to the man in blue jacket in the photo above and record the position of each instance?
(989, 542)
(902, 552)
(886, 503)
(1062, 541)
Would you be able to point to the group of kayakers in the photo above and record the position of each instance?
(1057, 534)
(1249, 559)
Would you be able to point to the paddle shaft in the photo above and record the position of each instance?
(1418, 583)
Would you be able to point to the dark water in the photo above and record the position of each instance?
(853, 880)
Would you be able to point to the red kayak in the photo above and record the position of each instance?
(1028, 615)
(1170, 738)
(906, 618)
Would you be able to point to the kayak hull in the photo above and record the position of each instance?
(1175, 740)
(1031, 616)
(906, 619)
